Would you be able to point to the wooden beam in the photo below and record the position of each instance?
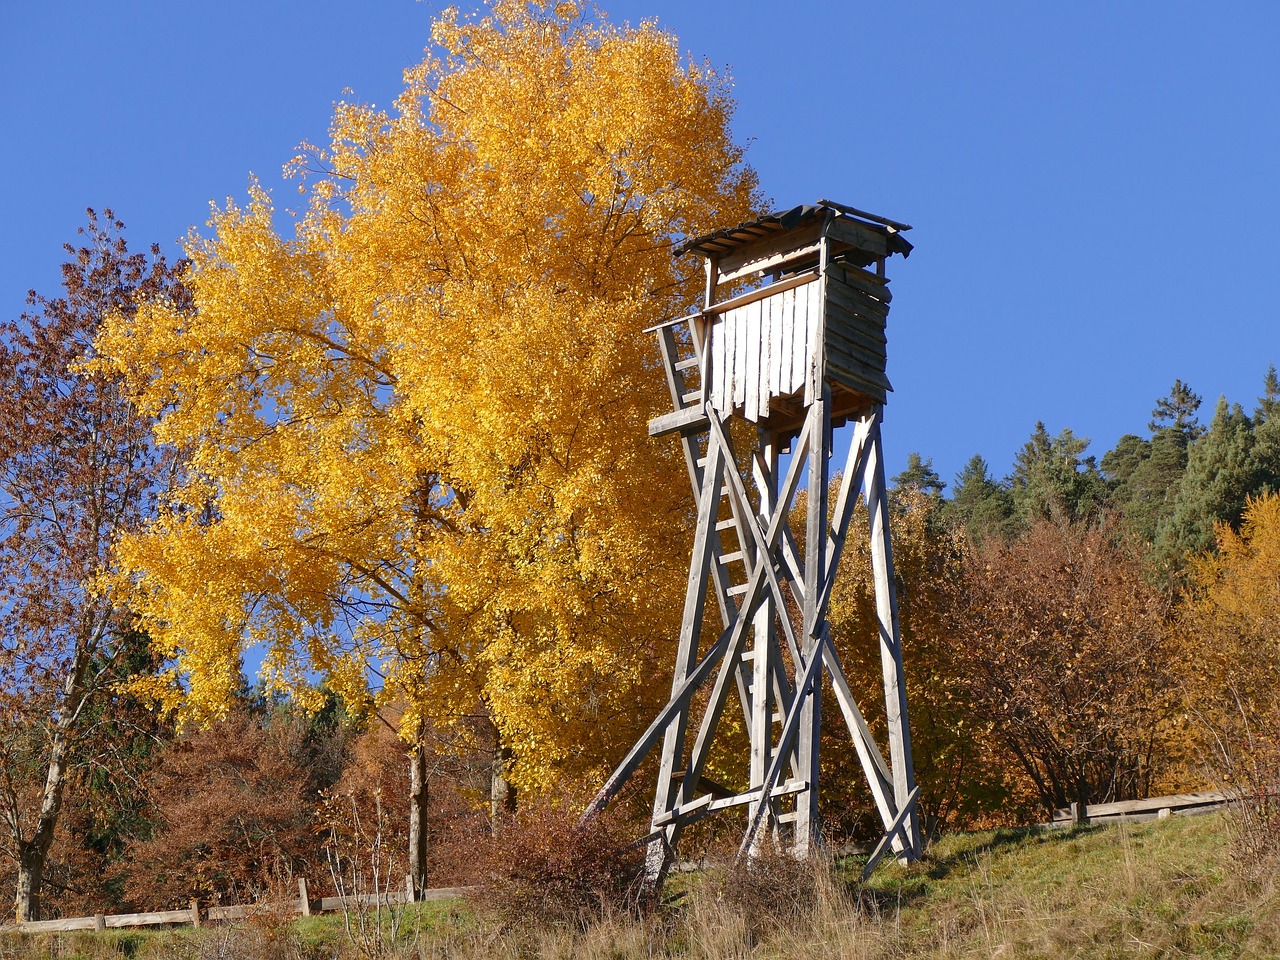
(691, 622)
(895, 691)
(752, 257)
(761, 293)
(790, 725)
(897, 826)
(691, 419)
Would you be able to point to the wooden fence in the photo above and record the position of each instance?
(1153, 808)
(195, 915)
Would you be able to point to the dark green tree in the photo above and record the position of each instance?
(1269, 403)
(1178, 413)
(1143, 475)
(1222, 472)
(920, 476)
(1053, 479)
(1266, 436)
(980, 504)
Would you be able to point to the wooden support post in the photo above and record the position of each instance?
(809, 738)
(195, 914)
(304, 900)
(99, 922)
(895, 690)
(763, 666)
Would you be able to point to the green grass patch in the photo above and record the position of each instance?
(1161, 889)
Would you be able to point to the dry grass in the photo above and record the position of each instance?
(1161, 889)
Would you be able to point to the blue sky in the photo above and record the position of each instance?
(1093, 185)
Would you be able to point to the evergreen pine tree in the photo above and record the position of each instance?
(980, 504)
(1053, 480)
(920, 476)
(1222, 472)
(1266, 435)
(1269, 402)
(1144, 474)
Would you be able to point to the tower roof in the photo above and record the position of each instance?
(719, 242)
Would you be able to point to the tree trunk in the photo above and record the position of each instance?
(33, 852)
(502, 793)
(418, 797)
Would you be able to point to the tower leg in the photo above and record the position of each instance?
(815, 564)
(765, 475)
(895, 689)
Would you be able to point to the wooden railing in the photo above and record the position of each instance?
(1152, 808)
(195, 915)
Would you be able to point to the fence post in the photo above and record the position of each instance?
(99, 922)
(195, 914)
(304, 901)
(1079, 813)
(410, 895)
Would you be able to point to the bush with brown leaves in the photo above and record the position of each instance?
(542, 867)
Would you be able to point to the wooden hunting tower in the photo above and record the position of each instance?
(799, 348)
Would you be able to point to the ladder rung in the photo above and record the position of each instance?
(738, 591)
(688, 364)
(726, 524)
(691, 396)
(790, 817)
(729, 558)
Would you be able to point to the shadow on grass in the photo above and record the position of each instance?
(886, 890)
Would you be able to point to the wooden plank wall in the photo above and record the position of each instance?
(760, 350)
(857, 308)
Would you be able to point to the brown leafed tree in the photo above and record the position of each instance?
(1064, 647)
(77, 467)
(234, 806)
(963, 771)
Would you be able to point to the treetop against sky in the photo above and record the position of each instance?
(1091, 186)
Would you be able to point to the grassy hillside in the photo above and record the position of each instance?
(1160, 889)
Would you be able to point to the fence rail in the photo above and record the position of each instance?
(304, 905)
(1152, 808)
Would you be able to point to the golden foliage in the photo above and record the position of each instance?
(1230, 625)
(1232, 615)
(415, 427)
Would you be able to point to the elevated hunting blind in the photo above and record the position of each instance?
(798, 352)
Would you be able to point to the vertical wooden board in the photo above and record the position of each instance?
(778, 342)
(751, 381)
(804, 318)
(781, 373)
(739, 356)
(730, 360)
(717, 360)
(766, 354)
(799, 341)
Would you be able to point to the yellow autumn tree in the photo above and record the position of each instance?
(1230, 640)
(415, 425)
